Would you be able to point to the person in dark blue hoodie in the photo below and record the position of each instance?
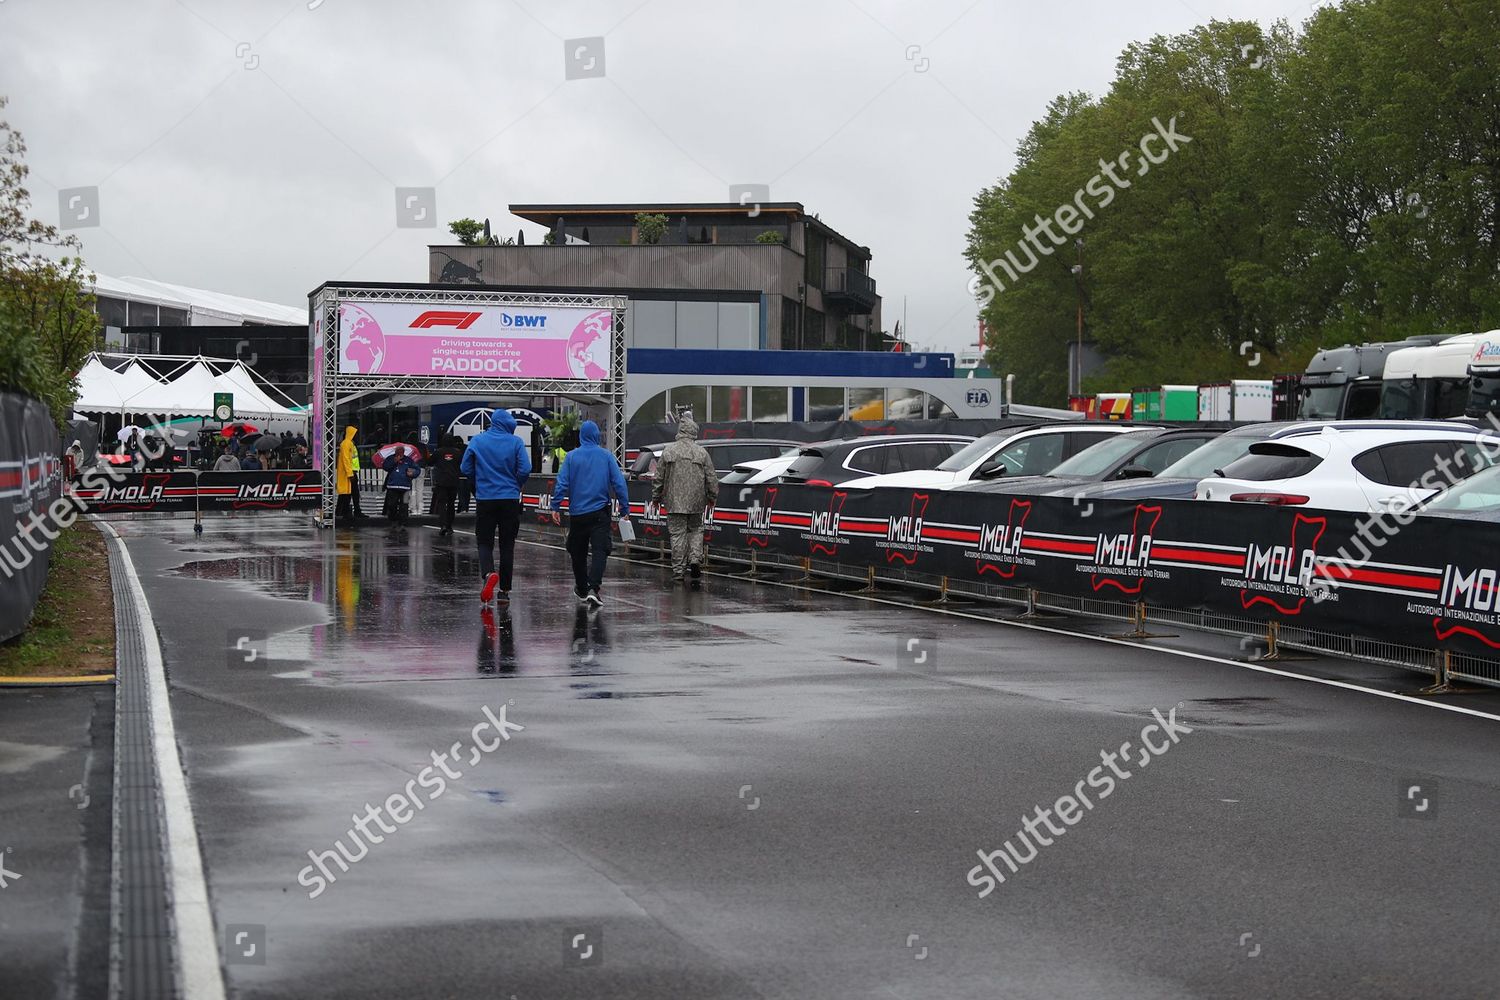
(589, 476)
(498, 464)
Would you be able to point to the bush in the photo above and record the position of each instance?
(650, 228)
(770, 236)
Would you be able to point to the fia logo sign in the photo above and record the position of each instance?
(977, 398)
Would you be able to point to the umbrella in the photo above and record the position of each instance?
(387, 450)
(241, 427)
(268, 442)
(126, 431)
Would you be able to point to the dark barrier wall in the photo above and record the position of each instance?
(1434, 583)
(169, 492)
(30, 480)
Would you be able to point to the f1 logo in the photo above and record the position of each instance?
(442, 317)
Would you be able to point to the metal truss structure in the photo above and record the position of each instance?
(329, 384)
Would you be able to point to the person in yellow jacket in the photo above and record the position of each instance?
(348, 465)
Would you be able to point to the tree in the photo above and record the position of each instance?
(650, 228)
(470, 233)
(1340, 185)
(48, 323)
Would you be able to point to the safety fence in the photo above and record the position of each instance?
(1423, 595)
(30, 478)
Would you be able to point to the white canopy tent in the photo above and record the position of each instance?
(178, 387)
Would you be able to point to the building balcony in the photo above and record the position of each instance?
(850, 291)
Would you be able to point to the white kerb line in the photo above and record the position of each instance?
(197, 944)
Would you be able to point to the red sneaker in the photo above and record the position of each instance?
(490, 583)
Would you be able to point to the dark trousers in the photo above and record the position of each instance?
(505, 515)
(444, 501)
(354, 498)
(342, 513)
(589, 532)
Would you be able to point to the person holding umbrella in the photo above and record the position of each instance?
(400, 470)
(498, 463)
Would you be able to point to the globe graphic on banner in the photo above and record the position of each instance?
(361, 341)
(586, 339)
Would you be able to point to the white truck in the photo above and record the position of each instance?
(1429, 383)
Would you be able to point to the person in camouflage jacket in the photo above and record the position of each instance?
(685, 484)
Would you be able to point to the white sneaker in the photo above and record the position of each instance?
(594, 600)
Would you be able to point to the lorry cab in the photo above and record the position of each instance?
(1484, 376)
(1344, 383)
(1428, 382)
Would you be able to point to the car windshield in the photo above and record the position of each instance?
(1201, 463)
(1092, 461)
(1321, 402)
(1480, 491)
(972, 452)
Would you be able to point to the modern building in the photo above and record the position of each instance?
(721, 276)
(144, 316)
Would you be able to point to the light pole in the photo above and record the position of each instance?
(1075, 377)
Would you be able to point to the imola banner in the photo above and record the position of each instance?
(30, 482)
(1426, 584)
(169, 492)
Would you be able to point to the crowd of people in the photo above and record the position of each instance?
(494, 466)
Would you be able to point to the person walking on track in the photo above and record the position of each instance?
(589, 476)
(444, 463)
(685, 484)
(498, 463)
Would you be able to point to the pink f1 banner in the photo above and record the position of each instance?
(484, 341)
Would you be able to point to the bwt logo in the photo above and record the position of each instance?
(520, 319)
(442, 317)
(977, 397)
(1001, 539)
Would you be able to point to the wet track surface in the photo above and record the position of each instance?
(742, 792)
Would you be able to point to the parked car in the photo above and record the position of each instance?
(1181, 479)
(764, 471)
(726, 454)
(1476, 498)
(833, 463)
(1359, 469)
(1013, 451)
(1135, 455)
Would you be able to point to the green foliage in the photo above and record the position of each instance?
(48, 323)
(1342, 184)
(470, 233)
(650, 228)
(770, 236)
(558, 426)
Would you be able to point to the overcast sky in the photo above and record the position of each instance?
(254, 146)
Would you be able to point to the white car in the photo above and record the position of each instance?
(1025, 451)
(764, 470)
(1355, 469)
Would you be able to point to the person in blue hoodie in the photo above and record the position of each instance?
(497, 462)
(589, 476)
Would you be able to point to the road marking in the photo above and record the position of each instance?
(1207, 657)
(197, 944)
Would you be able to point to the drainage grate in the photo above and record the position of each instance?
(140, 949)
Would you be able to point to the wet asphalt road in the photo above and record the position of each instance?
(741, 793)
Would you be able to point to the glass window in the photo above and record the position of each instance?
(770, 402)
(812, 333)
(173, 317)
(698, 325)
(866, 404)
(1450, 397)
(1407, 463)
(871, 459)
(971, 453)
(1364, 401)
(825, 403)
(919, 455)
(1033, 456)
(1203, 460)
(1159, 456)
(1400, 400)
(1096, 460)
(652, 411)
(739, 326)
(693, 398)
(1482, 492)
(111, 311)
(937, 409)
(729, 402)
(1321, 402)
(908, 404)
(1484, 396)
(1269, 460)
(652, 324)
(143, 314)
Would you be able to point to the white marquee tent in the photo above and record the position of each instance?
(177, 387)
